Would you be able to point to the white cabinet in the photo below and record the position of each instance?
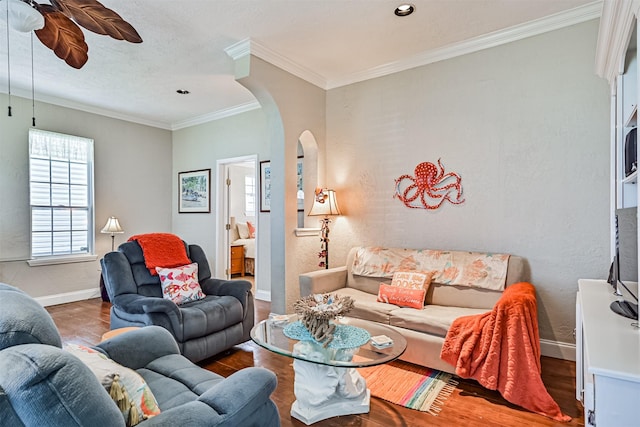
(607, 359)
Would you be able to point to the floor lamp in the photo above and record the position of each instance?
(112, 227)
(324, 204)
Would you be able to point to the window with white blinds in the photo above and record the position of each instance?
(249, 195)
(61, 194)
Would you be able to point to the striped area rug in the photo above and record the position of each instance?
(410, 385)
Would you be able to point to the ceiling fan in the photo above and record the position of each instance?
(57, 25)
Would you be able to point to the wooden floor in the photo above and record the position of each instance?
(470, 406)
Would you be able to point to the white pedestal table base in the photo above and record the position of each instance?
(327, 391)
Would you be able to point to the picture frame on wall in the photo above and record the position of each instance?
(194, 191)
(265, 186)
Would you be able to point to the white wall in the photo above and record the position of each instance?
(132, 182)
(526, 127)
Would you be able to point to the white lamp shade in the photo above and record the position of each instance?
(325, 203)
(23, 17)
(112, 226)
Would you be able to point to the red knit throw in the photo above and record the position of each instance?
(162, 250)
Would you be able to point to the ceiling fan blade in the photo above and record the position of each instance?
(63, 36)
(94, 16)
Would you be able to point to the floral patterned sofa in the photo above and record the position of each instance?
(463, 283)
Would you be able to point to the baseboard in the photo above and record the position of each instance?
(263, 295)
(558, 350)
(66, 297)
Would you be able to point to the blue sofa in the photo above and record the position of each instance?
(201, 328)
(43, 385)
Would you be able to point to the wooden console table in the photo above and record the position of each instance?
(607, 359)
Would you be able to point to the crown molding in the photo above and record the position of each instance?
(239, 50)
(613, 37)
(216, 115)
(496, 38)
(286, 64)
(251, 47)
(66, 103)
(533, 28)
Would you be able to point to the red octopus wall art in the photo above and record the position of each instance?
(429, 188)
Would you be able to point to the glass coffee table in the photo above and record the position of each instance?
(326, 382)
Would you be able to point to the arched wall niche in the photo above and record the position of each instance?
(308, 148)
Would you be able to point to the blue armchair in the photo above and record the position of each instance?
(43, 385)
(201, 328)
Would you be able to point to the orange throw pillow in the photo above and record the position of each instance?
(404, 297)
(252, 230)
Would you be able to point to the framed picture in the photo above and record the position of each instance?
(194, 191)
(265, 186)
(300, 189)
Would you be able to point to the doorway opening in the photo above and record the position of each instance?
(237, 219)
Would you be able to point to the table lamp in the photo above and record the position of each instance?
(113, 227)
(324, 204)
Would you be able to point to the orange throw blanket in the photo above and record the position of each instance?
(162, 250)
(501, 350)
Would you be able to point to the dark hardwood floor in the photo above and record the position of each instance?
(470, 405)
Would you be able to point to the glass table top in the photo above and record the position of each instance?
(270, 335)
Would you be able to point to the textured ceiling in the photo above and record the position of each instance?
(184, 42)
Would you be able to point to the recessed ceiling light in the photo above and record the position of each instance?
(183, 91)
(405, 9)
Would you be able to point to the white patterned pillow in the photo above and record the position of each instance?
(125, 386)
(243, 230)
(180, 284)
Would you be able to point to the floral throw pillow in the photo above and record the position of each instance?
(180, 284)
(125, 386)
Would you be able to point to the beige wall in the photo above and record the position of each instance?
(526, 127)
(133, 178)
(201, 147)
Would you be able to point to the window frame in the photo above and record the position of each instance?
(35, 136)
